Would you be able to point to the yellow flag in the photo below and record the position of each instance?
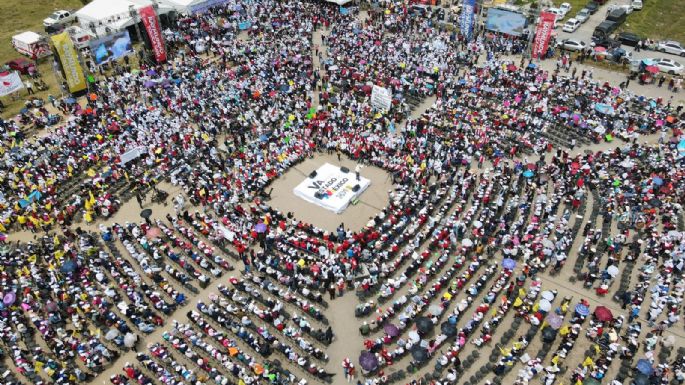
(522, 293)
(588, 362)
(555, 360)
(70, 169)
(55, 240)
(92, 198)
(518, 302)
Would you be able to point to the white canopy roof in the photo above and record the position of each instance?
(189, 6)
(112, 14)
(339, 2)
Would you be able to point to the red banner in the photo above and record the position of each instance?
(543, 33)
(149, 17)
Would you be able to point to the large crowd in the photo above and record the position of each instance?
(486, 199)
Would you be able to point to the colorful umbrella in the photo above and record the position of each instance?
(508, 264)
(391, 330)
(368, 361)
(602, 313)
(582, 310)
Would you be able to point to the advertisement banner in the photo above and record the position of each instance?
(381, 98)
(149, 17)
(505, 21)
(10, 82)
(543, 34)
(467, 18)
(111, 47)
(76, 81)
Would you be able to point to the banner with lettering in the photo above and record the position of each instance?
(543, 34)
(76, 80)
(10, 82)
(466, 18)
(149, 17)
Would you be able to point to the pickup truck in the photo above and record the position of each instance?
(59, 17)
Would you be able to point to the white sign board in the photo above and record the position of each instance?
(331, 188)
(10, 82)
(381, 98)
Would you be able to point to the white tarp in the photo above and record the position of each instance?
(132, 154)
(331, 188)
(380, 98)
(105, 17)
(10, 82)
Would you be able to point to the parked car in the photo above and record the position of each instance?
(54, 29)
(571, 25)
(626, 7)
(23, 65)
(59, 17)
(628, 38)
(79, 36)
(618, 16)
(592, 7)
(556, 11)
(565, 8)
(603, 31)
(572, 45)
(583, 15)
(669, 66)
(617, 55)
(672, 47)
(636, 4)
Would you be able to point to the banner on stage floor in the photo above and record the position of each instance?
(332, 188)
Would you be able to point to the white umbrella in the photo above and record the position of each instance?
(112, 334)
(478, 224)
(612, 271)
(130, 340)
(545, 305)
(547, 295)
(466, 242)
(548, 244)
(414, 336)
(435, 310)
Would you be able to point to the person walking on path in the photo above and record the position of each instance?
(139, 198)
(357, 169)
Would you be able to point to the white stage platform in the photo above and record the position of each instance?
(331, 188)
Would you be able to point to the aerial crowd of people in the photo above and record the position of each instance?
(490, 196)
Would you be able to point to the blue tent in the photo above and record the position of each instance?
(528, 174)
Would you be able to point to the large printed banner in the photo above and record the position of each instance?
(149, 17)
(70, 63)
(466, 18)
(10, 82)
(543, 34)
